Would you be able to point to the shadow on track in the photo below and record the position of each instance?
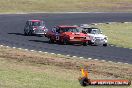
(17, 34)
(25, 35)
(40, 41)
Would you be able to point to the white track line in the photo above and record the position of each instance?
(52, 53)
(14, 47)
(40, 51)
(74, 56)
(26, 49)
(89, 58)
(32, 50)
(68, 55)
(59, 54)
(103, 60)
(81, 57)
(1, 45)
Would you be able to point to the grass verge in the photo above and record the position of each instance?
(119, 34)
(13, 6)
(24, 69)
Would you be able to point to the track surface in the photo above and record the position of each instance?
(11, 34)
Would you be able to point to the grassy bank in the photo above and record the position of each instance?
(13, 6)
(24, 69)
(119, 34)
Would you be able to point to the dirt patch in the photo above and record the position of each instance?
(96, 67)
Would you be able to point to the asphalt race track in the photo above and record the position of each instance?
(11, 34)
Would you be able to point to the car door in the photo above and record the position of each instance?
(57, 34)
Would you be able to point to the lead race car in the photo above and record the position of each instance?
(35, 27)
(95, 34)
(65, 34)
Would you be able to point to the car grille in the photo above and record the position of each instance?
(79, 37)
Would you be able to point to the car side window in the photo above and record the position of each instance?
(57, 30)
(54, 29)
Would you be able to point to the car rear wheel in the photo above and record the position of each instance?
(51, 40)
(65, 41)
(105, 44)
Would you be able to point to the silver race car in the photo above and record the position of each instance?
(35, 27)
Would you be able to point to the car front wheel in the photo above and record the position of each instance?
(85, 43)
(105, 44)
(65, 42)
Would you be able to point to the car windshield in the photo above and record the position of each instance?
(70, 30)
(93, 31)
(38, 23)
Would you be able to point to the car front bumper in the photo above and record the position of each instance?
(39, 32)
(99, 41)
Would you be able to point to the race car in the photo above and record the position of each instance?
(35, 27)
(95, 34)
(66, 34)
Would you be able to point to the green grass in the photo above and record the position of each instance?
(13, 75)
(119, 34)
(13, 6)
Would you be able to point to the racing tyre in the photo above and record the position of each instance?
(51, 41)
(25, 33)
(85, 43)
(65, 42)
(105, 44)
(30, 33)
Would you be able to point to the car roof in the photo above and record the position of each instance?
(66, 26)
(35, 20)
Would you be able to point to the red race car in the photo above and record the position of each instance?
(67, 34)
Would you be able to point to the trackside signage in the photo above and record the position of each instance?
(110, 82)
(86, 81)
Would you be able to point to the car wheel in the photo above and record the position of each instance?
(65, 42)
(85, 43)
(105, 44)
(25, 32)
(30, 33)
(89, 43)
(51, 40)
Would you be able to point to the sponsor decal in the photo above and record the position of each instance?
(86, 81)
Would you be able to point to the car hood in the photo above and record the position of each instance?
(77, 34)
(97, 35)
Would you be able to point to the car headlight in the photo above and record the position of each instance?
(71, 37)
(105, 38)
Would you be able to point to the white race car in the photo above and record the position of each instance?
(95, 34)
